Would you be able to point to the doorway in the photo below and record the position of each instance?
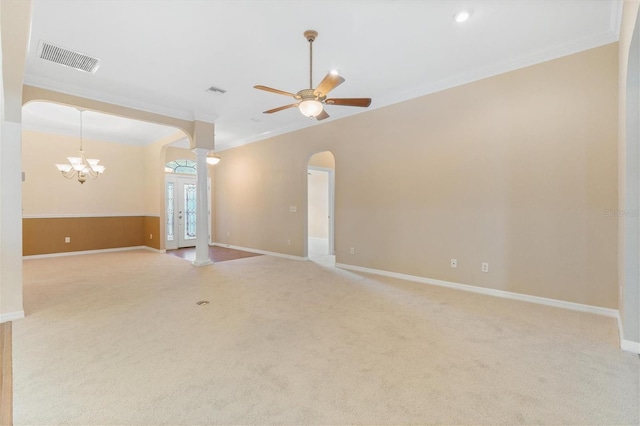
(320, 208)
(180, 201)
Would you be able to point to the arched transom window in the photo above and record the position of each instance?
(181, 166)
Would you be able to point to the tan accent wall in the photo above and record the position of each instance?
(47, 235)
(517, 170)
(151, 233)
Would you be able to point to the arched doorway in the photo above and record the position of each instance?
(320, 208)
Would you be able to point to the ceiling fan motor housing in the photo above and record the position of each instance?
(308, 94)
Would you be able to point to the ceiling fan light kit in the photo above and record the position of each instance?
(311, 101)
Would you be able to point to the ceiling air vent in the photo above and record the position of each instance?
(67, 57)
(216, 90)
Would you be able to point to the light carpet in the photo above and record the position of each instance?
(117, 338)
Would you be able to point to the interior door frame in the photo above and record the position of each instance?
(332, 201)
(176, 178)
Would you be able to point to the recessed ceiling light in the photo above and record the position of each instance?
(462, 16)
(333, 72)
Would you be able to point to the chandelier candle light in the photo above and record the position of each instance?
(80, 166)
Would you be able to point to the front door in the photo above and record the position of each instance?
(180, 199)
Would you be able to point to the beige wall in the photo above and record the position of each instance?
(46, 192)
(174, 153)
(323, 159)
(517, 170)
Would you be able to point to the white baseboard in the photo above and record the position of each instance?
(629, 346)
(268, 253)
(11, 316)
(77, 253)
(612, 313)
(155, 250)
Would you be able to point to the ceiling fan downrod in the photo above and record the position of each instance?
(310, 35)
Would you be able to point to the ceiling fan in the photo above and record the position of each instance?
(311, 101)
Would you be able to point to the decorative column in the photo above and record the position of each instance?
(202, 215)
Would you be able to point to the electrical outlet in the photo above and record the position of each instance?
(288, 242)
(485, 267)
(151, 236)
(352, 250)
(293, 209)
(228, 233)
(454, 263)
(67, 239)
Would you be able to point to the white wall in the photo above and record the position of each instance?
(15, 16)
(629, 177)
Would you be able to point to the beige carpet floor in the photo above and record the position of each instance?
(117, 338)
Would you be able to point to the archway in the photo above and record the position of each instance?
(320, 208)
(120, 209)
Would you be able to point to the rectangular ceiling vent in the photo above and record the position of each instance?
(216, 90)
(69, 58)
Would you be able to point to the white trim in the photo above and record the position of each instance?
(321, 169)
(532, 58)
(626, 345)
(331, 175)
(620, 328)
(155, 250)
(202, 263)
(109, 98)
(77, 253)
(58, 216)
(268, 253)
(612, 313)
(11, 316)
(629, 346)
(477, 74)
(616, 17)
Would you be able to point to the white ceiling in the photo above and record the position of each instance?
(161, 56)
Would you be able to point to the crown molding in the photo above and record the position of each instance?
(70, 89)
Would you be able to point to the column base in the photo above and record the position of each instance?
(202, 262)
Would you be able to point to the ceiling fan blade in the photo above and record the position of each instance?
(272, 90)
(322, 115)
(280, 108)
(357, 102)
(328, 83)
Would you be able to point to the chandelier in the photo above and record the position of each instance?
(80, 167)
